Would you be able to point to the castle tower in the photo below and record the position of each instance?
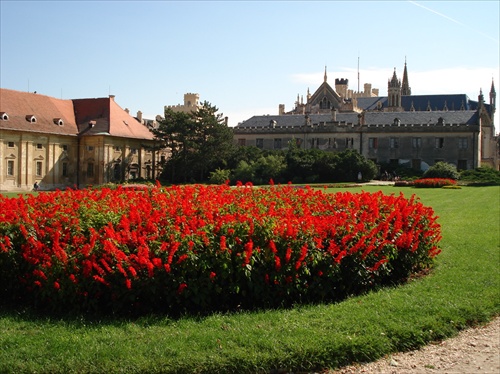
(191, 100)
(341, 85)
(394, 93)
(405, 88)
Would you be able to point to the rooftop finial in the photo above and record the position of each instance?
(325, 73)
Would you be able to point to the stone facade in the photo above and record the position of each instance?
(416, 131)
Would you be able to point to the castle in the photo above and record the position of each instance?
(399, 129)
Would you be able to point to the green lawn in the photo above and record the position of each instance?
(462, 290)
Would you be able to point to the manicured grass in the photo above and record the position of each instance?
(462, 290)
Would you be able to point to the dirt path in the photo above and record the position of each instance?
(473, 351)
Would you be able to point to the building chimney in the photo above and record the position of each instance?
(126, 110)
(112, 97)
(334, 115)
(281, 109)
(139, 116)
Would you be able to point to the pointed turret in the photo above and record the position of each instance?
(405, 88)
(394, 93)
(325, 74)
(493, 96)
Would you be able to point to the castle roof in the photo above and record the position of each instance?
(422, 102)
(469, 117)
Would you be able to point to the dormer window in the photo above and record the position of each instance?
(58, 121)
(4, 116)
(31, 118)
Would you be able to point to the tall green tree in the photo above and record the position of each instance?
(199, 142)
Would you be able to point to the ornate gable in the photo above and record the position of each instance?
(324, 99)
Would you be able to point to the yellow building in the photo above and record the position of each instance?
(71, 143)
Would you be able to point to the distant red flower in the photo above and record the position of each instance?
(181, 288)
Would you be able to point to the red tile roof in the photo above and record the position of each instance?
(106, 115)
(47, 111)
(108, 118)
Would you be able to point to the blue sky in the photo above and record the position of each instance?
(245, 57)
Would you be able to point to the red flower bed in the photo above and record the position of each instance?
(203, 248)
(434, 182)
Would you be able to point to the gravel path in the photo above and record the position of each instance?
(473, 351)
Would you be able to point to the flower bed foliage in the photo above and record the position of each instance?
(434, 182)
(206, 248)
(403, 183)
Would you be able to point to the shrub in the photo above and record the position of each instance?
(220, 176)
(350, 163)
(481, 176)
(442, 170)
(204, 248)
(433, 182)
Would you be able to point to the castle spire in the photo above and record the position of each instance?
(405, 88)
(325, 74)
(493, 94)
(493, 99)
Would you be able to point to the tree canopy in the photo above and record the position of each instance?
(199, 142)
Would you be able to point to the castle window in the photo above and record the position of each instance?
(4, 116)
(325, 104)
(277, 143)
(463, 143)
(90, 169)
(394, 143)
(39, 167)
(31, 118)
(64, 169)
(462, 165)
(58, 121)
(10, 144)
(10, 168)
(372, 143)
(259, 143)
(439, 142)
(242, 142)
(65, 147)
(39, 146)
(90, 148)
(416, 143)
(117, 172)
(133, 151)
